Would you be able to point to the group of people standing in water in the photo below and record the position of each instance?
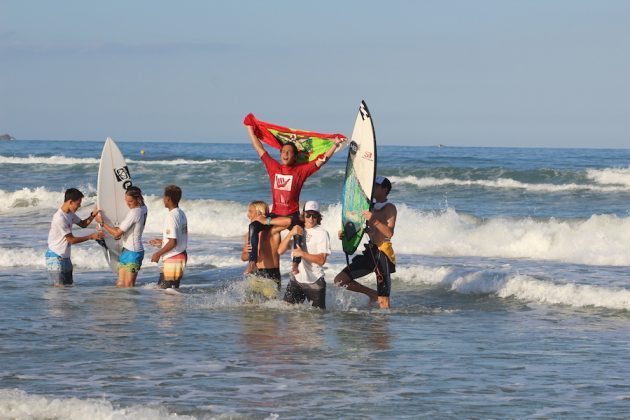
(308, 241)
(172, 245)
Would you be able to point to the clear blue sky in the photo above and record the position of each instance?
(467, 73)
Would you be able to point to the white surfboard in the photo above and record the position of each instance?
(113, 181)
(359, 180)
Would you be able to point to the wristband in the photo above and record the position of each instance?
(268, 220)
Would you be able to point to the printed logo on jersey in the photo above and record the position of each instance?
(283, 182)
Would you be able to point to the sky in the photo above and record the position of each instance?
(535, 73)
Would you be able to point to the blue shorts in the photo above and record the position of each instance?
(59, 269)
(130, 261)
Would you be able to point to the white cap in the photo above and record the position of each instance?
(311, 206)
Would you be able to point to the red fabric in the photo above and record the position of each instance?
(286, 183)
(261, 130)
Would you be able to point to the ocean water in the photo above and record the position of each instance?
(511, 298)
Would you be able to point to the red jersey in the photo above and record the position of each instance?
(286, 183)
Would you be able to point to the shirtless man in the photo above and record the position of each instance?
(378, 256)
(268, 260)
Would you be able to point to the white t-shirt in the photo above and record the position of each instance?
(317, 242)
(175, 227)
(60, 226)
(133, 226)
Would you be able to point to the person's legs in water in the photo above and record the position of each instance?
(383, 280)
(370, 261)
(315, 293)
(294, 293)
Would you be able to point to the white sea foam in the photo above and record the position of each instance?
(37, 198)
(83, 258)
(205, 217)
(48, 160)
(176, 162)
(614, 176)
(64, 160)
(505, 183)
(18, 405)
(598, 240)
(505, 283)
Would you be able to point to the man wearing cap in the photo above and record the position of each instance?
(378, 256)
(308, 283)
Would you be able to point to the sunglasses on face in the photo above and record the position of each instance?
(309, 215)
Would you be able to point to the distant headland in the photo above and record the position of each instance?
(6, 137)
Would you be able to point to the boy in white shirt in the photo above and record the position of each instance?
(174, 241)
(60, 238)
(308, 283)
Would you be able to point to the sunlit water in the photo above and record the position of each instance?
(510, 300)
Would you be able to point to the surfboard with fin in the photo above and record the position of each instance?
(113, 181)
(356, 194)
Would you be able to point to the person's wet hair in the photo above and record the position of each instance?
(174, 193)
(136, 193)
(261, 207)
(318, 217)
(73, 194)
(293, 146)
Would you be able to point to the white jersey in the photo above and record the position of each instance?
(175, 227)
(133, 226)
(317, 241)
(60, 226)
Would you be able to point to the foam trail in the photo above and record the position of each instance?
(48, 160)
(178, 162)
(64, 160)
(504, 183)
(17, 404)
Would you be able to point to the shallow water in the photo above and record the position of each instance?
(510, 300)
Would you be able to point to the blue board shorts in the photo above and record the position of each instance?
(130, 261)
(59, 269)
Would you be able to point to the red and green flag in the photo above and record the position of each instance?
(310, 145)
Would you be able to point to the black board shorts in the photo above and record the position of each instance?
(270, 273)
(373, 261)
(313, 292)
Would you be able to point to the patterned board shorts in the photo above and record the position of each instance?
(130, 261)
(172, 270)
(59, 269)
